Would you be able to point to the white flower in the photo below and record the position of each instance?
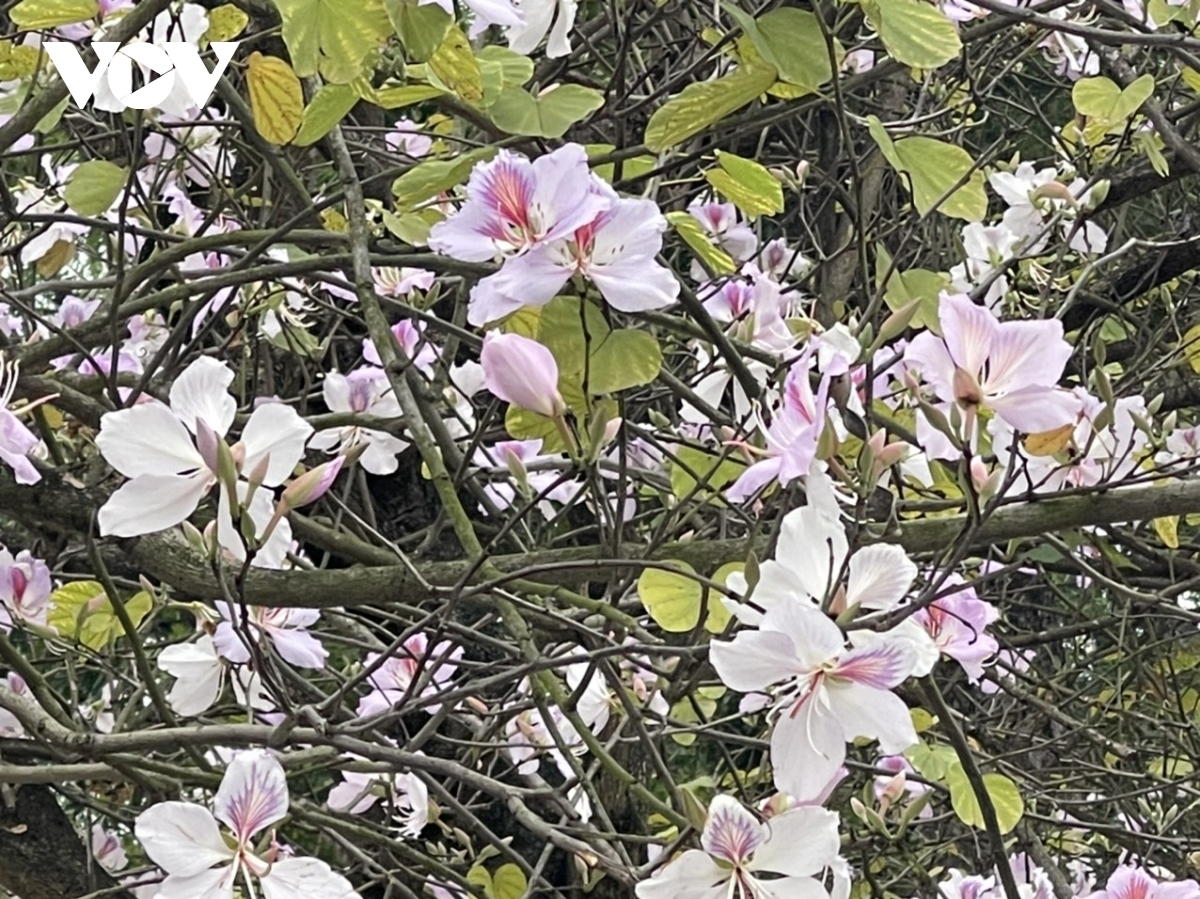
(185, 840)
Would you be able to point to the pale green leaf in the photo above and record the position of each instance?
(32, 15)
(916, 33)
(672, 599)
(934, 168)
(94, 186)
(549, 114)
(625, 358)
(747, 184)
(421, 26)
(716, 260)
(82, 611)
(327, 108)
(399, 96)
(701, 105)
(790, 39)
(455, 65)
(1003, 792)
(427, 179)
(699, 474)
(332, 37)
(508, 882)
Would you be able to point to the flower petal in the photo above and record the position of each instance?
(880, 577)
(202, 391)
(198, 674)
(873, 714)
(693, 875)
(753, 660)
(275, 432)
(807, 750)
(731, 834)
(152, 503)
(309, 878)
(147, 440)
(800, 842)
(214, 884)
(181, 838)
(253, 793)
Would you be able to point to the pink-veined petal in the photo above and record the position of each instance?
(1026, 354)
(181, 838)
(872, 714)
(801, 842)
(880, 577)
(253, 793)
(968, 331)
(731, 833)
(926, 353)
(880, 665)
(147, 440)
(202, 391)
(152, 503)
(305, 878)
(807, 749)
(277, 433)
(754, 660)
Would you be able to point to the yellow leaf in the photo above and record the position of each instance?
(30, 15)
(456, 66)
(276, 98)
(1191, 347)
(1168, 531)
(225, 22)
(1048, 443)
(62, 252)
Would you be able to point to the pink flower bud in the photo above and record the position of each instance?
(312, 485)
(522, 372)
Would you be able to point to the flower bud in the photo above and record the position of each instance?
(311, 485)
(523, 373)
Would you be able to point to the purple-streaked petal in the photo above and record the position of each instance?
(968, 331)
(731, 834)
(253, 794)
(880, 665)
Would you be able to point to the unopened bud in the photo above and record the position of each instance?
(311, 485)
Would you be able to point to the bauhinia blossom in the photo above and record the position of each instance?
(185, 840)
(826, 694)
(514, 204)
(286, 629)
(522, 372)
(415, 670)
(25, 589)
(16, 440)
(1131, 882)
(364, 391)
(616, 251)
(405, 794)
(746, 858)
(555, 18)
(956, 623)
(169, 453)
(1010, 368)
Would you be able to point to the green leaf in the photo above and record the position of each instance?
(747, 184)
(549, 114)
(508, 882)
(917, 284)
(931, 761)
(624, 359)
(790, 39)
(933, 168)
(1106, 107)
(716, 260)
(31, 15)
(327, 108)
(427, 179)
(672, 599)
(82, 611)
(332, 37)
(559, 326)
(515, 69)
(1003, 792)
(714, 473)
(701, 105)
(421, 27)
(94, 186)
(405, 95)
(455, 65)
(916, 33)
